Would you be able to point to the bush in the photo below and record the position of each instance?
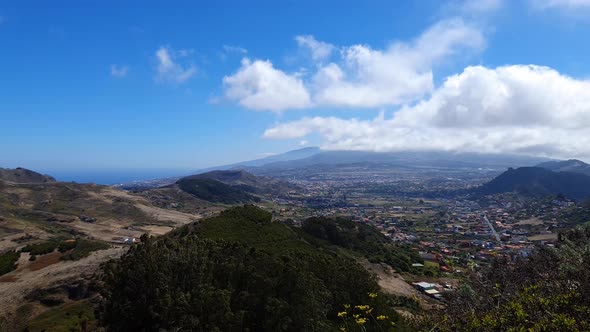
(81, 248)
(41, 248)
(8, 261)
(67, 245)
(549, 291)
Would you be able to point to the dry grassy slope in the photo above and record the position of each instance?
(45, 210)
(52, 208)
(15, 285)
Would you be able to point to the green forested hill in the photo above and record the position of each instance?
(537, 181)
(362, 239)
(240, 271)
(215, 191)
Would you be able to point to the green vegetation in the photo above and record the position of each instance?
(74, 249)
(66, 318)
(549, 291)
(14, 322)
(8, 261)
(577, 215)
(215, 191)
(248, 225)
(81, 248)
(235, 272)
(363, 239)
(41, 248)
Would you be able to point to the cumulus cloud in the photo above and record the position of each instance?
(363, 76)
(517, 109)
(119, 71)
(169, 69)
(398, 74)
(259, 86)
(319, 50)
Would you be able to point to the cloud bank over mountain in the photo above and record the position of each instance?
(514, 108)
(518, 109)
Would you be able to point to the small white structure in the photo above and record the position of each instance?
(130, 240)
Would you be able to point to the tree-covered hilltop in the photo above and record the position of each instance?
(547, 291)
(240, 271)
(363, 239)
(215, 191)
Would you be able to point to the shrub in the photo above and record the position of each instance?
(8, 261)
(41, 248)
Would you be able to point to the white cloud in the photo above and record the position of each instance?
(234, 49)
(363, 76)
(258, 85)
(119, 71)
(398, 74)
(562, 4)
(169, 70)
(228, 50)
(516, 109)
(319, 50)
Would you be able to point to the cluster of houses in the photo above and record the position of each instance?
(432, 290)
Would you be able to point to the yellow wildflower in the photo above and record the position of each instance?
(363, 307)
(342, 314)
(356, 316)
(361, 321)
(346, 306)
(372, 295)
(382, 317)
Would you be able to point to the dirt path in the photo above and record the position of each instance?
(393, 283)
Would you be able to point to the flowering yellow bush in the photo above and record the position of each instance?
(361, 321)
(361, 318)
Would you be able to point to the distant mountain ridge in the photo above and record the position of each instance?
(571, 165)
(327, 161)
(415, 158)
(281, 157)
(539, 181)
(313, 158)
(22, 175)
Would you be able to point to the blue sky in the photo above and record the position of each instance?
(181, 85)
